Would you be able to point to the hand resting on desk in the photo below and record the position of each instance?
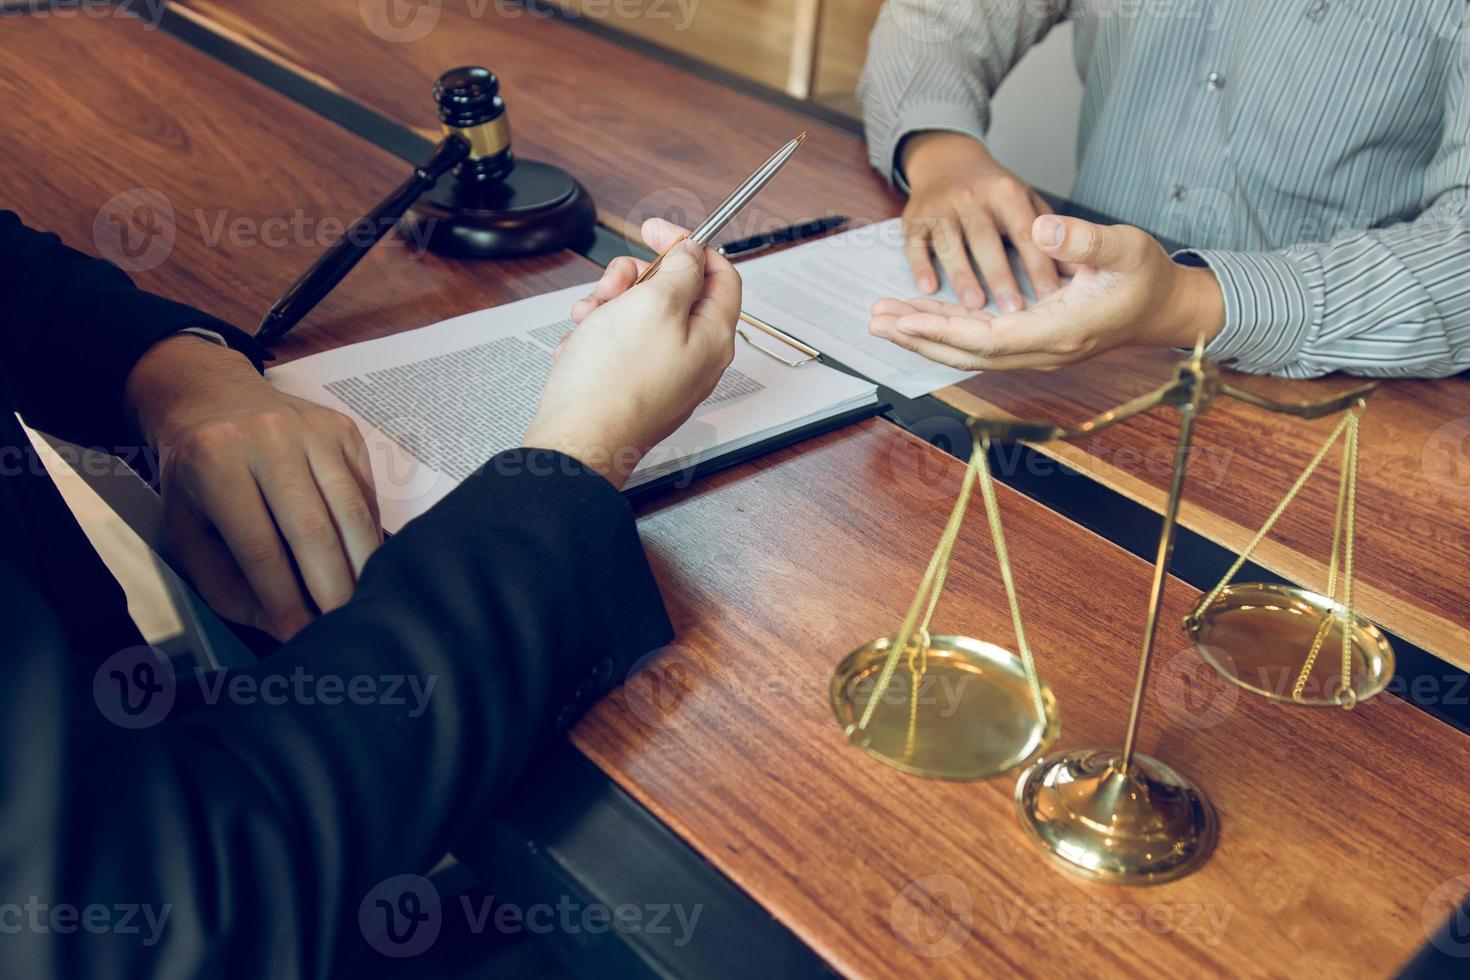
(961, 204)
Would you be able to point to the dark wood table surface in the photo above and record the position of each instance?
(1335, 825)
(1338, 827)
(249, 186)
(647, 137)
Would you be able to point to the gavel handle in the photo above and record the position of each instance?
(367, 231)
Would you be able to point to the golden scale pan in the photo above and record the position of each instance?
(953, 707)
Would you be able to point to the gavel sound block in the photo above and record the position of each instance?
(491, 207)
(496, 205)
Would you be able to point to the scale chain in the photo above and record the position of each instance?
(1291, 495)
(926, 591)
(1347, 566)
(1342, 548)
(992, 512)
(932, 586)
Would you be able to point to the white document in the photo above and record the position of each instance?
(435, 403)
(823, 293)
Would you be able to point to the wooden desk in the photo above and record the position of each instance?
(647, 138)
(589, 110)
(239, 168)
(747, 765)
(1331, 837)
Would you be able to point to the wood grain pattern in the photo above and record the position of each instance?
(255, 186)
(1333, 838)
(628, 125)
(645, 137)
(1333, 834)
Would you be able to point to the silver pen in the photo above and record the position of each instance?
(720, 217)
(710, 227)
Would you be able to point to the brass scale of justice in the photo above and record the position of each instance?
(1113, 815)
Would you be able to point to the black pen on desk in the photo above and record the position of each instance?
(793, 233)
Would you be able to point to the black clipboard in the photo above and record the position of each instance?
(682, 478)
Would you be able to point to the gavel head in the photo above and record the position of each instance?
(495, 206)
(470, 106)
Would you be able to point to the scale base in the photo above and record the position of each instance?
(974, 716)
(537, 208)
(1143, 827)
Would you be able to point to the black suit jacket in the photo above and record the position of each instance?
(162, 825)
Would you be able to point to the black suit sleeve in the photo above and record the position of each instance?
(258, 814)
(72, 329)
(169, 826)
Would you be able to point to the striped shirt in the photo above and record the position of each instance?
(1315, 154)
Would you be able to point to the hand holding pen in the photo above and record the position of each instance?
(736, 202)
(717, 220)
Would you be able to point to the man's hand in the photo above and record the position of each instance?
(962, 203)
(252, 480)
(1126, 291)
(642, 357)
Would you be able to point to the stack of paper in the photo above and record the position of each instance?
(435, 403)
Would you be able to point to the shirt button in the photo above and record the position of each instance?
(602, 672)
(1178, 192)
(1216, 80)
(1317, 10)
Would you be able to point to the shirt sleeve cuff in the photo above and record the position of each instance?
(224, 335)
(938, 116)
(213, 336)
(1272, 307)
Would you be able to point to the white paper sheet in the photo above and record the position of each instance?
(823, 292)
(435, 403)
